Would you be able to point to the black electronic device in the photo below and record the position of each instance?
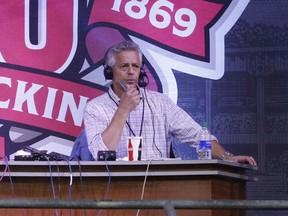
(30, 158)
(106, 156)
(40, 155)
(34, 152)
(55, 156)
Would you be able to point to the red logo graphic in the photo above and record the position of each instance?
(52, 53)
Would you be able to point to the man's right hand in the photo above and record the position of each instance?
(130, 99)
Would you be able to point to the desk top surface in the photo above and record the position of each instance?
(156, 168)
(133, 163)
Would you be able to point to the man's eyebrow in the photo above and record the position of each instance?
(124, 64)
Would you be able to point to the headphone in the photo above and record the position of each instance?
(143, 79)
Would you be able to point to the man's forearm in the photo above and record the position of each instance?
(112, 134)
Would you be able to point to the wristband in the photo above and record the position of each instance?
(225, 153)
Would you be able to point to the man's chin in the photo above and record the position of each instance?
(133, 84)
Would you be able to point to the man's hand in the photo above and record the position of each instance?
(242, 159)
(130, 99)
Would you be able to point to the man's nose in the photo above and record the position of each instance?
(130, 70)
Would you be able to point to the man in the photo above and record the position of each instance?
(127, 110)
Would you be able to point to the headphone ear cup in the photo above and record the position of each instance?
(142, 77)
(108, 73)
(142, 74)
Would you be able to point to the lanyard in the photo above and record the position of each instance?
(127, 123)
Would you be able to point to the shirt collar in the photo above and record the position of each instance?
(113, 95)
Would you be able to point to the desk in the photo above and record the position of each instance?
(169, 179)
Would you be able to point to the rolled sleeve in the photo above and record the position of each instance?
(95, 122)
(96, 145)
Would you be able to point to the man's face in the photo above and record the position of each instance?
(127, 68)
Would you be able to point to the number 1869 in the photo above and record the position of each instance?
(160, 15)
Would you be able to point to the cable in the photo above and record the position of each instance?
(70, 175)
(144, 184)
(108, 185)
(5, 170)
(59, 184)
(71, 181)
(81, 180)
(81, 183)
(109, 179)
(52, 183)
(10, 178)
(145, 179)
(71, 178)
(153, 123)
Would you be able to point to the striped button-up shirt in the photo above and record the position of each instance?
(162, 119)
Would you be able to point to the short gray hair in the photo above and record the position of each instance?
(126, 45)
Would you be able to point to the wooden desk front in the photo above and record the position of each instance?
(166, 180)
